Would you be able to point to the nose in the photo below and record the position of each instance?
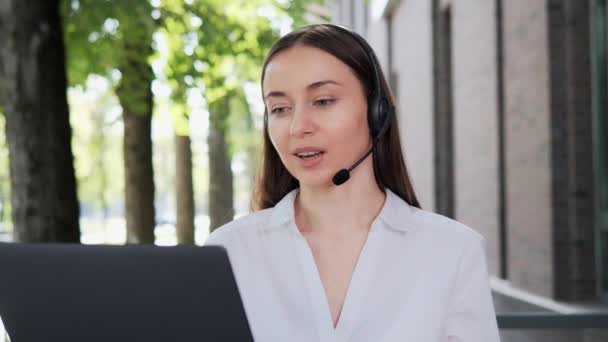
(302, 122)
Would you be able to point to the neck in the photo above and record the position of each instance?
(335, 210)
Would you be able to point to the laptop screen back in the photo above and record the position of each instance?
(59, 292)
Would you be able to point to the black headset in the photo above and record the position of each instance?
(379, 109)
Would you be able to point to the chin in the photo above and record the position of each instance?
(315, 180)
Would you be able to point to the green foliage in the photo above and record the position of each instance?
(297, 10)
(103, 36)
(133, 90)
(215, 46)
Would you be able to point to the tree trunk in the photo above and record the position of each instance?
(221, 208)
(135, 95)
(185, 191)
(44, 200)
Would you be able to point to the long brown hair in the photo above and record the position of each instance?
(274, 180)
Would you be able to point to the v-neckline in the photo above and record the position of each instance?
(354, 292)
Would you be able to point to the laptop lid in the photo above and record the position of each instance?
(62, 292)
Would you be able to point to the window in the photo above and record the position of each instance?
(443, 112)
(600, 141)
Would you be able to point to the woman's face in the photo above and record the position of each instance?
(317, 114)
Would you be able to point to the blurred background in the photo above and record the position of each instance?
(139, 122)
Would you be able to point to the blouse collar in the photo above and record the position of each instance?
(395, 213)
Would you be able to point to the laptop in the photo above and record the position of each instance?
(70, 292)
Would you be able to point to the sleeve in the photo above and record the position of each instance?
(219, 237)
(470, 313)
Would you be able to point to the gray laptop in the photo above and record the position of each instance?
(62, 292)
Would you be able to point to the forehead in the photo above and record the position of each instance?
(299, 66)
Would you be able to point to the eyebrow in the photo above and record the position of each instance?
(314, 85)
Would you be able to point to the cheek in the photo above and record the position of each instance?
(351, 124)
(278, 137)
(351, 136)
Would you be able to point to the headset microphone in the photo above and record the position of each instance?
(343, 175)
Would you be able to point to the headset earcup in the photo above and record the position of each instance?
(377, 114)
(385, 117)
(266, 118)
(372, 113)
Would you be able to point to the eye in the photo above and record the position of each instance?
(279, 110)
(324, 102)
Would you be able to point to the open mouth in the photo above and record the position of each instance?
(309, 155)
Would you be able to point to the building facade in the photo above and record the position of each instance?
(502, 110)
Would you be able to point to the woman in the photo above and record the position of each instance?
(333, 255)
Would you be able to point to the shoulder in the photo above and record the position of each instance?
(453, 243)
(445, 228)
(248, 224)
(426, 225)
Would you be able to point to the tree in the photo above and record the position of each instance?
(216, 47)
(135, 95)
(105, 37)
(184, 191)
(44, 201)
(221, 188)
(5, 175)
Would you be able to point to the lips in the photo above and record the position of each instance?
(308, 152)
(309, 156)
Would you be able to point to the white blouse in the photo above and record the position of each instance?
(420, 277)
